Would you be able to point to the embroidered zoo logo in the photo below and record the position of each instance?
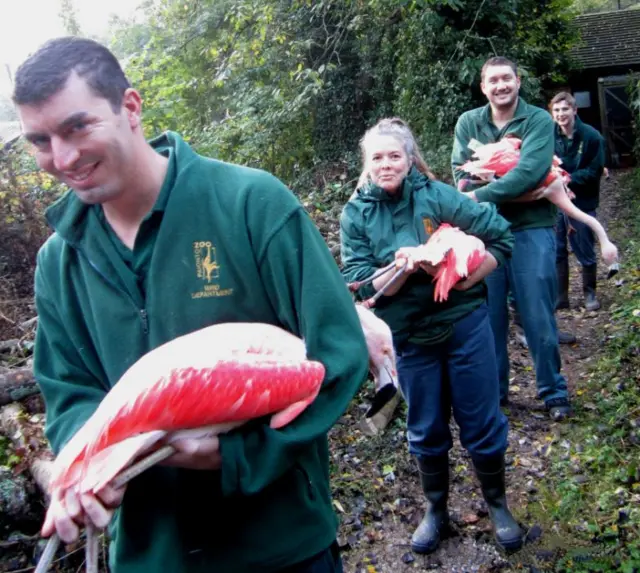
(208, 270)
(428, 225)
(206, 266)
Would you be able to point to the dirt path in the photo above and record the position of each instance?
(376, 485)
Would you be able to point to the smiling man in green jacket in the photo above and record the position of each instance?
(151, 242)
(531, 273)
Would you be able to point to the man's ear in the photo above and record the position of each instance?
(132, 105)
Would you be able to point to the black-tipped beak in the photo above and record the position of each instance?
(382, 397)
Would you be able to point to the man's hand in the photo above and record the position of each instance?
(66, 515)
(201, 453)
(488, 265)
(472, 195)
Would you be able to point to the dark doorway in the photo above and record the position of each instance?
(616, 119)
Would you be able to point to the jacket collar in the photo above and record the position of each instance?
(523, 109)
(68, 215)
(372, 192)
(577, 129)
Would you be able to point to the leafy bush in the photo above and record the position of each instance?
(291, 86)
(25, 192)
(602, 513)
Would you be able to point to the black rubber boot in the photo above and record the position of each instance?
(589, 279)
(562, 270)
(508, 534)
(434, 476)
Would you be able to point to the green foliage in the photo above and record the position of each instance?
(25, 192)
(69, 18)
(602, 513)
(291, 86)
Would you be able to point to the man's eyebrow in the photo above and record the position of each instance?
(72, 119)
(34, 136)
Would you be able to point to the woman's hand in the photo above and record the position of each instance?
(406, 256)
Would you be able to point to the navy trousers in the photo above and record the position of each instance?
(327, 561)
(459, 374)
(530, 275)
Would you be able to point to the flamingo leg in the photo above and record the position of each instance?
(91, 550)
(559, 198)
(371, 301)
(357, 284)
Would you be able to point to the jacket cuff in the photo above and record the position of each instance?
(366, 291)
(498, 255)
(484, 195)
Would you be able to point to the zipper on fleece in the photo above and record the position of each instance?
(142, 312)
(303, 471)
(145, 321)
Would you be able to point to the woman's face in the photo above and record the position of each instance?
(387, 162)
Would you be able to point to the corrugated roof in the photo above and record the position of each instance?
(9, 130)
(609, 39)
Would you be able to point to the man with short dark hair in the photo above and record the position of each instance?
(124, 272)
(581, 149)
(531, 273)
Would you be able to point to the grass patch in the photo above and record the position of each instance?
(590, 502)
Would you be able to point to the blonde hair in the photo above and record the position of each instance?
(398, 129)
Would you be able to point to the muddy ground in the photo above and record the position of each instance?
(375, 483)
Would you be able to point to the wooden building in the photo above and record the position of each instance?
(609, 58)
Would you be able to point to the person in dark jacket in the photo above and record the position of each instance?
(153, 241)
(581, 149)
(446, 356)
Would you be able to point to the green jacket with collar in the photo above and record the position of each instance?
(534, 126)
(223, 243)
(583, 158)
(375, 224)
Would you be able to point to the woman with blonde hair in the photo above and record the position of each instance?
(446, 356)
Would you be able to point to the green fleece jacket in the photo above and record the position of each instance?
(583, 158)
(534, 126)
(375, 224)
(224, 243)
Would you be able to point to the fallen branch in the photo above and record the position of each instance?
(16, 301)
(3, 317)
(9, 345)
(12, 425)
(16, 385)
(27, 324)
